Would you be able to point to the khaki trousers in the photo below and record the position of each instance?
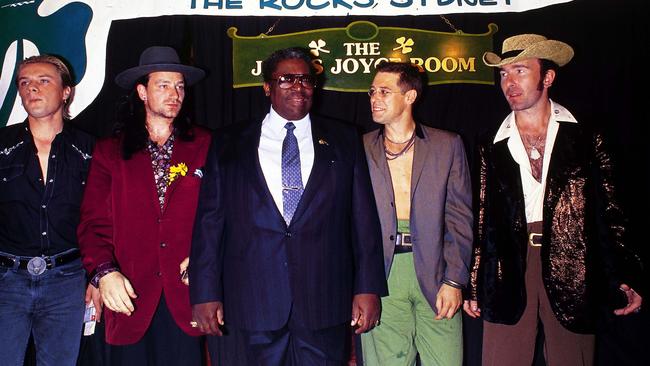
(505, 345)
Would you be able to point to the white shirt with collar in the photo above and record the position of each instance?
(270, 151)
(533, 190)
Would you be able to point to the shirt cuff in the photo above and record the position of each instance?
(101, 271)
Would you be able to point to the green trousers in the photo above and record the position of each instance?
(408, 327)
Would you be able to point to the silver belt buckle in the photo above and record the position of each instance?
(404, 239)
(36, 266)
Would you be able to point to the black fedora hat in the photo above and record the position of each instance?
(157, 58)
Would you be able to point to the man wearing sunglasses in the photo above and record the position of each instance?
(286, 247)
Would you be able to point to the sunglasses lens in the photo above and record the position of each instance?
(288, 80)
(307, 81)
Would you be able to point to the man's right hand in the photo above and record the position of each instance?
(208, 317)
(471, 308)
(117, 292)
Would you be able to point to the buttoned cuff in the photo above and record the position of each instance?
(101, 271)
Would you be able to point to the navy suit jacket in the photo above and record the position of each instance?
(244, 255)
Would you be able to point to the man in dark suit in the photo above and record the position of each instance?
(550, 236)
(286, 240)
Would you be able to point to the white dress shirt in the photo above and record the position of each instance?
(533, 190)
(270, 151)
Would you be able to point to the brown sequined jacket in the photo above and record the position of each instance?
(583, 253)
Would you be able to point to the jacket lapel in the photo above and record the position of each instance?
(323, 159)
(184, 152)
(247, 149)
(140, 167)
(379, 164)
(509, 180)
(562, 157)
(420, 155)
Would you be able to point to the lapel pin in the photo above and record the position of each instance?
(323, 142)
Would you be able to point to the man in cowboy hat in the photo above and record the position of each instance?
(550, 241)
(43, 167)
(137, 215)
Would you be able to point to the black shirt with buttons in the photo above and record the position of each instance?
(37, 217)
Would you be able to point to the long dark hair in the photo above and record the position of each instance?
(130, 123)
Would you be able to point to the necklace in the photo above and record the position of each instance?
(535, 146)
(400, 143)
(391, 155)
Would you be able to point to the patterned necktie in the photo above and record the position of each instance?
(291, 176)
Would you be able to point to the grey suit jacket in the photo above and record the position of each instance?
(441, 213)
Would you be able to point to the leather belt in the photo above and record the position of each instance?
(38, 265)
(403, 243)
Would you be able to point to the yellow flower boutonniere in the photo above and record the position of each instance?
(175, 171)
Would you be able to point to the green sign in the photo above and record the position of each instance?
(348, 56)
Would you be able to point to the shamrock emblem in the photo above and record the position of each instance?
(317, 47)
(404, 45)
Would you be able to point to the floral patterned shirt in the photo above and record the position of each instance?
(161, 157)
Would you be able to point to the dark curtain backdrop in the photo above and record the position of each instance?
(605, 85)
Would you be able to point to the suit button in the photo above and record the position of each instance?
(392, 237)
(159, 274)
(158, 220)
(287, 234)
(163, 245)
(392, 204)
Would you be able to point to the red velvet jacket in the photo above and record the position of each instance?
(121, 222)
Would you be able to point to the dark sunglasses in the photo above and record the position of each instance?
(287, 81)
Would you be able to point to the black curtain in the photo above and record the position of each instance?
(605, 85)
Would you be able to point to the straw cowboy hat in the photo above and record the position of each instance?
(158, 58)
(525, 46)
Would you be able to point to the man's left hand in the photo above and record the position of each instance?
(366, 309)
(92, 294)
(634, 301)
(448, 301)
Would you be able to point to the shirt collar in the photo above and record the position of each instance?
(66, 131)
(558, 114)
(276, 123)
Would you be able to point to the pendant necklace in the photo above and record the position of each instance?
(534, 151)
(391, 155)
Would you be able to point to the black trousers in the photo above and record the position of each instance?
(164, 344)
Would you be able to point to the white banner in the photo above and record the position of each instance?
(124, 9)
